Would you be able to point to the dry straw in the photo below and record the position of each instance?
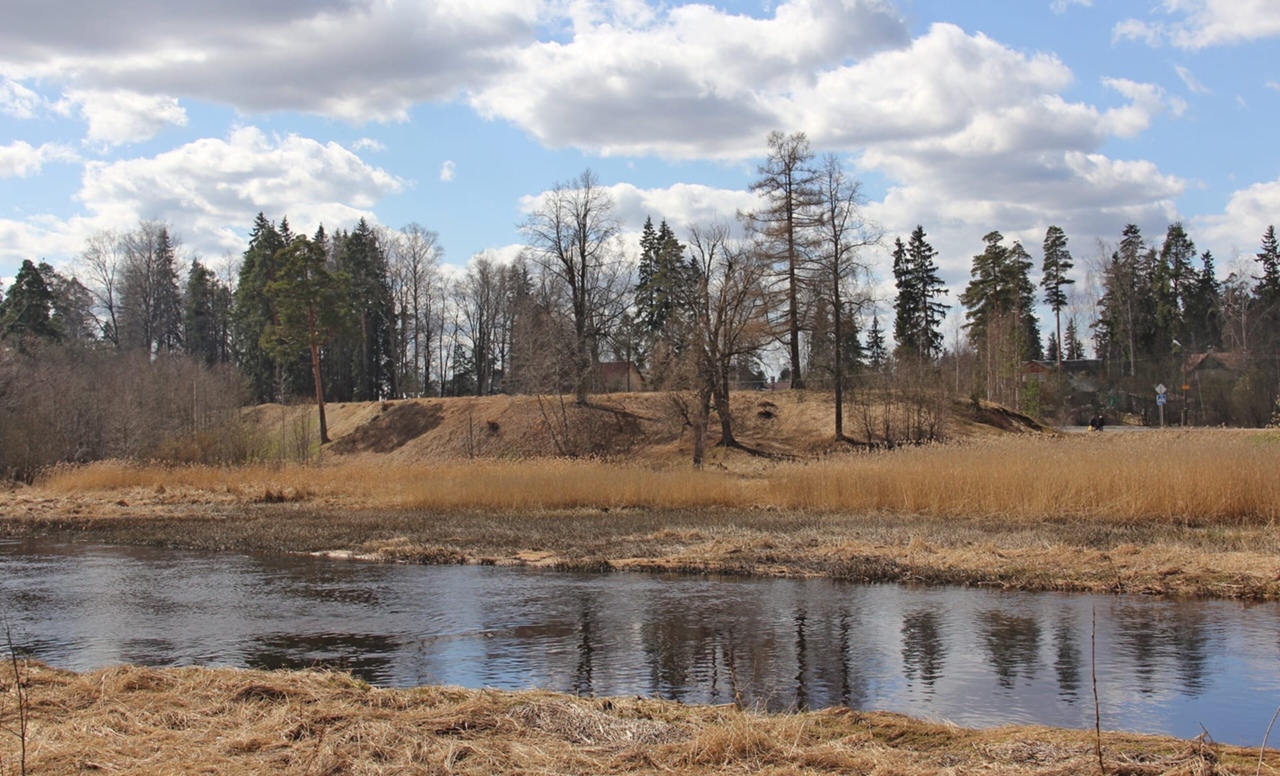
(196, 720)
(1190, 477)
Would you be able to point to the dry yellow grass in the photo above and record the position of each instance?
(1181, 513)
(226, 721)
(1193, 476)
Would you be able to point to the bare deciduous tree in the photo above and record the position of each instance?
(102, 262)
(730, 301)
(415, 256)
(572, 236)
(845, 232)
(480, 298)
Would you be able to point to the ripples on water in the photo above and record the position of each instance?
(974, 657)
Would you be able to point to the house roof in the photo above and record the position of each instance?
(617, 368)
(1232, 362)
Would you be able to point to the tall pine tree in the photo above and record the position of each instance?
(1057, 262)
(27, 313)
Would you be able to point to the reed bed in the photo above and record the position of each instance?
(1193, 477)
(201, 720)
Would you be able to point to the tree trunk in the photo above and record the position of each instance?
(701, 419)
(315, 375)
(721, 396)
(839, 366)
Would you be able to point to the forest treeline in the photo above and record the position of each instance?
(139, 349)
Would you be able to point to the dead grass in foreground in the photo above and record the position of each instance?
(224, 721)
(1196, 476)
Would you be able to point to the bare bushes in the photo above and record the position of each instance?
(73, 404)
(907, 406)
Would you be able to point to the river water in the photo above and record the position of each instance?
(975, 657)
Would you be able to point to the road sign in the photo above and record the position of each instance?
(1161, 389)
(1160, 399)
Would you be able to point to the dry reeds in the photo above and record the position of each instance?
(196, 720)
(1195, 477)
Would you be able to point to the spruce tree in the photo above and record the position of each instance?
(206, 307)
(917, 313)
(1267, 291)
(1072, 346)
(1203, 308)
(877, 354)
(364, 262)
(253, 310)
(1173, 273)
(664, 274)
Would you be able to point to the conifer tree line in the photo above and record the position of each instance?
(373, 314)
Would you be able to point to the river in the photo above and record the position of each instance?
(975, 657)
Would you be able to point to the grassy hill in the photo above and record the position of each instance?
(643, 427)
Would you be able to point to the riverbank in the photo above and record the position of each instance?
(1219, 561)
(1180, 513)
(178, 720)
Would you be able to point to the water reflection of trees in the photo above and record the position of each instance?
(367, 656)
(924, 653)
(1157, 637)
(1013, 642)
(803, 656)
(1067, 662)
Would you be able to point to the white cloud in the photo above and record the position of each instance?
(18, 101)
(358, 61)
(1192, 83)
(1273, 85)
(368, 144)
(22, 160)
(119, 117)
(696, 82)
(1247, 215)
(447, 171)
(1133, 29)
(1146, 101)
(1199, 24)
(1061, 6)
(681, 206)
(210, 190)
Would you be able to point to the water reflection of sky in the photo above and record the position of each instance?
(974, 657)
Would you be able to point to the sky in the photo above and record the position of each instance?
(962, 117)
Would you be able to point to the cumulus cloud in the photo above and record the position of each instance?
(119, 117)
(22, 160)
(210, 191)
(695, 82)
(368, 144)
(1248, 214)
(1146, 102)
(681, 206)
(1199, 24)
(18, 101)
(447, 171)
(354, 59)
